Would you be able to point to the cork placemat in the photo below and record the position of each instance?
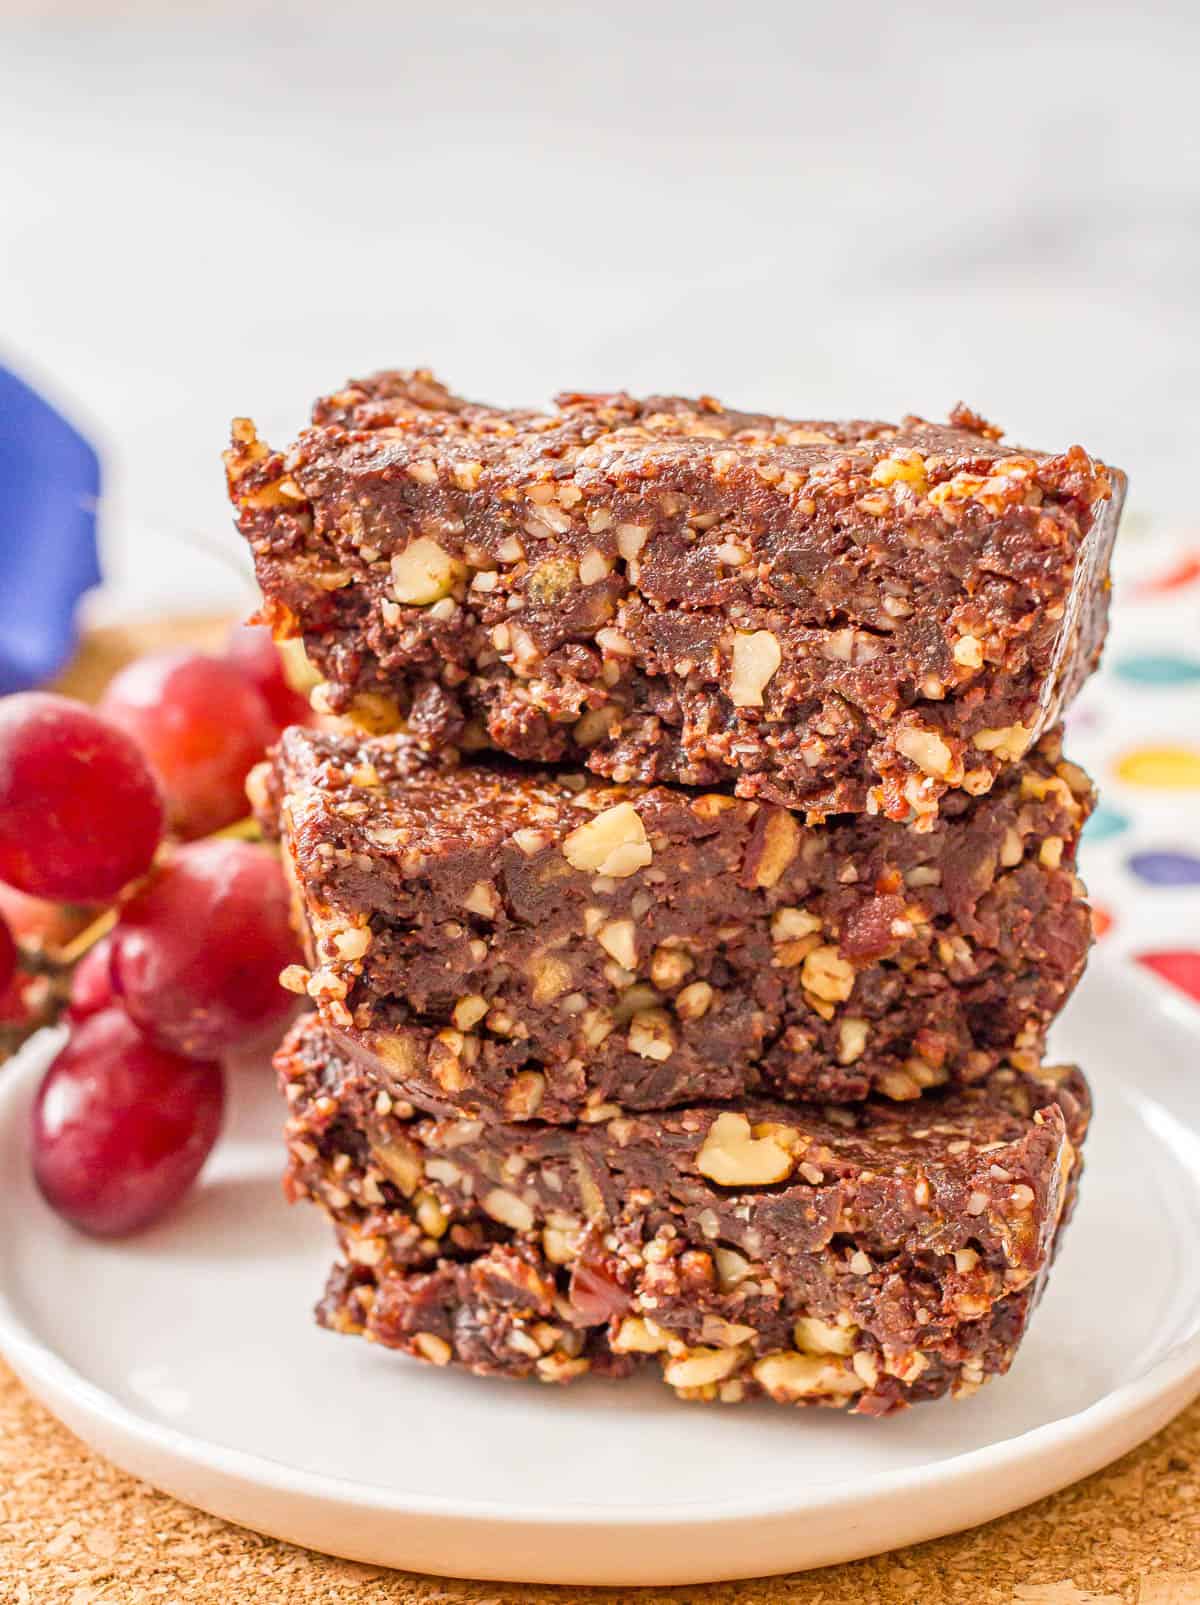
(76, 1530)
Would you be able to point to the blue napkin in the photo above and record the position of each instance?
(49, 486)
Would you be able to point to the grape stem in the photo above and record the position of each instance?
(88, 937)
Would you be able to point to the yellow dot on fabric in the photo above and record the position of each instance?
(1163, 768)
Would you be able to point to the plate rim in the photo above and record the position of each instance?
(1176, 1373)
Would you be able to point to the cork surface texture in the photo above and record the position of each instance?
(74, 1529)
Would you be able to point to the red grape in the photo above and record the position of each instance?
(8, 956)
(251, 648)
(91, 982)
(202, 725)
(198, 951)
(121, 1127)
(80, 814)
(43, 927)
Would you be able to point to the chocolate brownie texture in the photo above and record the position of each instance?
(518, 944)
(831, 616)
(865, 1257)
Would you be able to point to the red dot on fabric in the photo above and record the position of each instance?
(1102, 921)
(1182, 573)
(1180, 968)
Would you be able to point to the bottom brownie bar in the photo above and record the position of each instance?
(868, 1257)
(501, 1316)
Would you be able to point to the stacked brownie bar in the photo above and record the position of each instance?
(689, 892)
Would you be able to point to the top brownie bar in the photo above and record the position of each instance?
(836, 617)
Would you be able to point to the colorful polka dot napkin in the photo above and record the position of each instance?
(1136, 729)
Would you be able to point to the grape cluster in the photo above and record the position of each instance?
(105, 809)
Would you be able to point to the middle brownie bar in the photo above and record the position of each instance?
(519, 944)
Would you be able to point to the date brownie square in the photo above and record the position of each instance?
(834, 617)
(867, 1257)
(522, 944)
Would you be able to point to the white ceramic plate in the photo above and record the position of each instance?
(188, 1356)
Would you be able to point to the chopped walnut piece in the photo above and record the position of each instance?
(352, 944)
(530, 840)
(926, 749)
(1051, 851)
(774, 845)
(697, 1367)
(668, 966)
(594, 565)
(401, 1163)
(790, 924)
(613, 843)
(732, 1267)
(594, 725)
(630, 539)
(508, 1209)
(469, 1010)
(827, 975)
(1011, 742)
(756, 657)
(787, 1377)
(551, 977)
(898, 1084)
(397, 1050)
(445, 1060)
(617, 939)
(562, 1367)
(596, 1025)
(693, 1002)
(433, 1348)
(481, 899)
(525, 1096)
(852, 1040)
(558, 1245)
(650, 1034)
(431, 1217)
(423, 572)
(712, 805)
(906, 466)
(814, 1336)
(733, 1157)
(637, 1336)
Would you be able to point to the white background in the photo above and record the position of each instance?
(869, 209)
